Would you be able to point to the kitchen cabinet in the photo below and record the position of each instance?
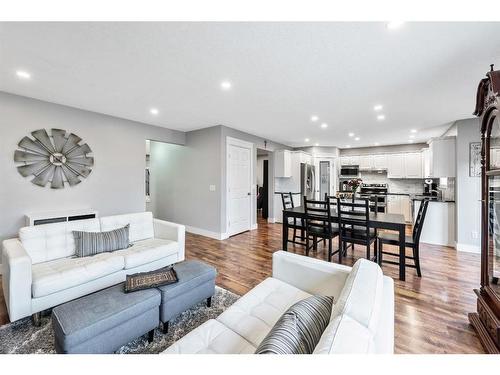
(413, 165)
(395, 166)
(283, 163)
(349, 160)
(399, 204)
(380, 161)
(439, 223)
(442, 157)
(365, 162)
(426, 163)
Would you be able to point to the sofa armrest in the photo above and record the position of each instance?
(311, 275)
(171, 231)
(16, 279)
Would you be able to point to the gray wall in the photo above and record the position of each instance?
(116, 184)
(468, 189)
(181, 176)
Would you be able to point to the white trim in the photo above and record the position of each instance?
(250, 146)
(271, 220)
(205, 233)
(254, 226)
(468, 248)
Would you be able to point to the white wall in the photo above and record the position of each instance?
(468, 189)
(116, 184)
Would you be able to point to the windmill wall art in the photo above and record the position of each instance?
(56, 159)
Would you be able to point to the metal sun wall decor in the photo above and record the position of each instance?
(58, 158)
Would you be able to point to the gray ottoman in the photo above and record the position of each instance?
(104, 321)
(196, 283)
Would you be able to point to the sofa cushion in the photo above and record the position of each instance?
(212, 337)
(60, 274)
(92, 243)
(356, 313)
(147, 251)
(141, 225)
(48, 242)
(255, 314)
(299, 329)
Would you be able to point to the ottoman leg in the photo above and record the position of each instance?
(151, 336)
(165, 328)
(209, 302)
(37, 319)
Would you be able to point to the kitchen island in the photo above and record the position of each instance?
(439, 223)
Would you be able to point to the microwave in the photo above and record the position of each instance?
(349, 171)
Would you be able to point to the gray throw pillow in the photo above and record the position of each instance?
(299, 329)
(92, 243)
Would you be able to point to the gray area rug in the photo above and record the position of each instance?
(22, 337)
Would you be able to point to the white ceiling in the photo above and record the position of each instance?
(424, 74)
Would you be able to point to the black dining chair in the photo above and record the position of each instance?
(319, 225)
(354, 216)
(412, 241)
(294, 223)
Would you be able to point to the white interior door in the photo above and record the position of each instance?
(239, 188)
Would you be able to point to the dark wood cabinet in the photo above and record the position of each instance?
(486, 320)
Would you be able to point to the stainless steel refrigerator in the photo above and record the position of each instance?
(307, 181)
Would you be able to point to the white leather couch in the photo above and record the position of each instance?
(362, 319)
(40, 269)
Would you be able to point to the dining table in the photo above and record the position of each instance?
(377, 220)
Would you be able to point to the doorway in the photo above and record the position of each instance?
(262, 171)
(239, 186)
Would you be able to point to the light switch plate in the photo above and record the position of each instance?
(211, 188)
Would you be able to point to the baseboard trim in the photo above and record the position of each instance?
(206, 233)
(466, 248)
(254, 226)
(271, 220)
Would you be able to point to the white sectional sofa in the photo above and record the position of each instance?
(40, 269)
(362, 319)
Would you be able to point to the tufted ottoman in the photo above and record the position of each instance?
(196, 283)
(104, 321)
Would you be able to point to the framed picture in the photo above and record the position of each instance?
(475, 159)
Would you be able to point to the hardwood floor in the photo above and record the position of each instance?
(431, 312)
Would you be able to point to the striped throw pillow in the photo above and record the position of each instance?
(92, 243)
(299, 329)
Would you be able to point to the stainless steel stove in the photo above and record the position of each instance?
(377, 193)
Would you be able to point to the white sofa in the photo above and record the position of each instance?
(362, 319)
(40, 269)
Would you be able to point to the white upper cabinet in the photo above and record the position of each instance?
(282, 163)
(380, 161)
(413, 165)
(442, 157)
(395, 166)
(366, 162)
(426, 163)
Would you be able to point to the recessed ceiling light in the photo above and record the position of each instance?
(314, 118)
(154, 111)
(413, 130)
(351, 134)
(357, 139)
(347, 146)
(316, 144)
(23, 74)
(410, 140)
(381, 117)
(225, 85)
(376, 144)
(412, 136)
(377, 107)
(392, 25)
(324, 125)
(307, 139)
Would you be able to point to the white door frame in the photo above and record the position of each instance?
(253, 204)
